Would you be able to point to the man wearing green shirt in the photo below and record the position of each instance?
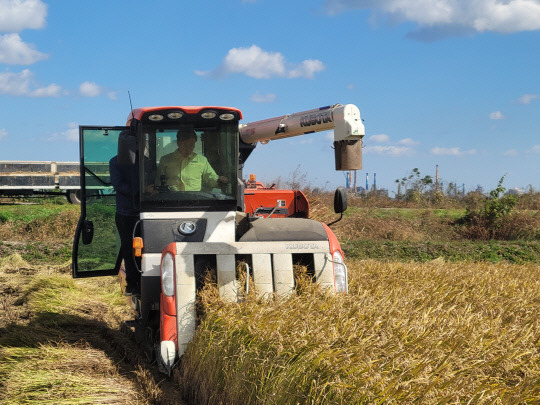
(185, 170)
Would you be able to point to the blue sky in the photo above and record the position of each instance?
(453, 83)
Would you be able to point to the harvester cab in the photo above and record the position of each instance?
(197, 215)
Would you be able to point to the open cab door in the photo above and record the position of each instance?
(96, 245)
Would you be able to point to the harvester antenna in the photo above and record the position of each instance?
(131, 105)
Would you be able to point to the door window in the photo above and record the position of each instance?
(96, 245)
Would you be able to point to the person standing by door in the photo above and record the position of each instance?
(125, 180)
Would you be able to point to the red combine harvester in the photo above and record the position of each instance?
(185, 231)
(268, 202)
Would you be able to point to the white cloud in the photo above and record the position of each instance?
(511, 152)
(52, 90)
(496, 115)
(89, 89)
(437, 18)
(451, 151)
(3, 133)
(527, 98)
(535, 149)
(22, 84)
(381, 138)
(408, 142)
(17, 15)
(389, 150)
(306, 69)
(402, 148)
(263, 98)
(259, 64)
(14, 51)
(70, 134)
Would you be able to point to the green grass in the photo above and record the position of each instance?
(28, 213)
(413, 213)
(39, 253)
(422, 251)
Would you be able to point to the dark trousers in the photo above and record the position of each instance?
(125, 225)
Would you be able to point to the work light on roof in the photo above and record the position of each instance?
(175, 115)
(226, 117)
(155, 117)
(208, 115)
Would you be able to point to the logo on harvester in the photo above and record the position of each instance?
(187, 228)
(302, 245)
(318, 118)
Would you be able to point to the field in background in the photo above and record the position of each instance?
(432, 320)
(396, 231)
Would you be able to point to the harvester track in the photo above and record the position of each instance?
(156, 387)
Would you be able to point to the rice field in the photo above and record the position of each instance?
(432, 333)
(454, 330)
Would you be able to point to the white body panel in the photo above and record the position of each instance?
(150, 264)
(167, 350)
(220, 225)
(185, 300)
(283, 274)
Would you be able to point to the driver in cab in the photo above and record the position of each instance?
(185, 170)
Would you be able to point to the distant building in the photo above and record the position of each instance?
(515, 191)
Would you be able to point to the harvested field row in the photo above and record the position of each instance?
(62, 341)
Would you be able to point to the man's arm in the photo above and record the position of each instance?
(211, 178)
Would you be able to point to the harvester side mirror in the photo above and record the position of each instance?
(87, 233)
(340, 203)
(340, 200)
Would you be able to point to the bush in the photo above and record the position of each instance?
(496, 218)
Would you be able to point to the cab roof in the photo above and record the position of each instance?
(137, 113)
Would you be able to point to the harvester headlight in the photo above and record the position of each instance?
(175, 115)
(155, 117)
(226, 117)
(340, 273)
(167, 274)
(209, 114)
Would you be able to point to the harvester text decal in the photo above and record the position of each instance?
(321, 117)
(299, 246)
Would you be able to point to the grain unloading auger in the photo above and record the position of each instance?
(186, 229)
